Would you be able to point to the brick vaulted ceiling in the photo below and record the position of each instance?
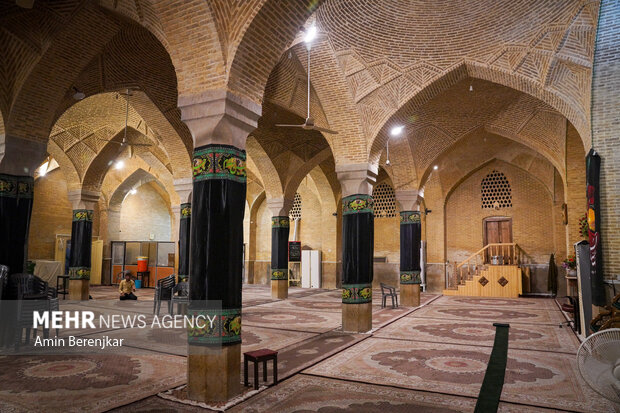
(374, 64)
(377, 64)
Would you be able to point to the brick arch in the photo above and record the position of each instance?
(126, 62)
(293, 182)
(97, 51)
(492, 149)
(402, 170)
(138, 178)
(76, 43)
(143, 13)
(445, 80)
(195, 49)
(328, 198)
(114, 178)
(270, 33)
(287, 89)
(266, 170)
(101, 164)
(483, 165)
(554, 236)
(337, 102)
(66, 166)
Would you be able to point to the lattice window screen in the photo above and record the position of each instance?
(385, 202)
(296, 209)
(496, 192)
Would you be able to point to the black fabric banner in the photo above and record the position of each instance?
(593, 170)
(357, 249)
(81, 241)
(216, 241)
(279, 247)
(16, 197)
(410, 241)
(184, 234)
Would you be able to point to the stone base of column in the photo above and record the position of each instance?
(357, 318)
(410, 295)
(213, 374)
(279, 289)
(78, 289)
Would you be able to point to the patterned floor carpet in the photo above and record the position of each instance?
(429, 359)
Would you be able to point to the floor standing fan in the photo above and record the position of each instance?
(598, 359)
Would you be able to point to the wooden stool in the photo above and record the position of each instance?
(257, 356)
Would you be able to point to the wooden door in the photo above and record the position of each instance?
(497, 230)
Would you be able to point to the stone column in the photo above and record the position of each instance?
(184, 216)
(219, 123)
(280, 226)
(357, 245)
(81, 242)
(18, 160)
(410, 241)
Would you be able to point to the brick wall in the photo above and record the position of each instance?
(531, 214)
(51, 215)
(605, 131)
(145, 213)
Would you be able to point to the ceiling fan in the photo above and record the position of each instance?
(125, 143)
(309, 122)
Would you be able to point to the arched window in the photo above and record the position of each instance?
(385, 202)
(495, 191)
(296, 209)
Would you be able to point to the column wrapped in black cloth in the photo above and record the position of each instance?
(357, 249)
(593, 170)
(16, 197)
(81, 241)
(410, 240)
(216, 242)
(184, 234)
(280, 226)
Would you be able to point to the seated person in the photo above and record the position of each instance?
(126, 288)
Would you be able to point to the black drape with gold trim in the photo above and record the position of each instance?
(184, 234)
(357, 249)
(216, 242)
(81, 242)
(280, 226)
(410, 240)
(16, 197)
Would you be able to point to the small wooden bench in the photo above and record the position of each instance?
(262, 355)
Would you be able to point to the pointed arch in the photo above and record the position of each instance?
(451, 77)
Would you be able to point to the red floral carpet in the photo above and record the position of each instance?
(83, 383)
(428, 359)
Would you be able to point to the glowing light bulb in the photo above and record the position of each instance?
(310, 34)
(397, 130)
(435, 167)
(119, 165)
(133, 191)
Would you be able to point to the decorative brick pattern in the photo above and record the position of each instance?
(529, 105)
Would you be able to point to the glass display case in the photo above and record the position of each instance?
(161, 259)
